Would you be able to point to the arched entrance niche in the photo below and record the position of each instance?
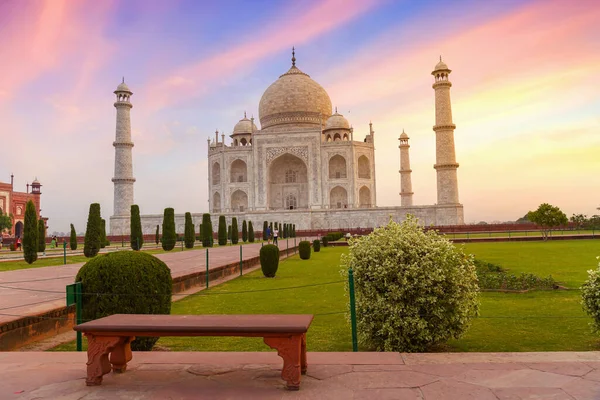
(338, 197)
(364, 168)
(288, 180)
(19, 229)
(364, 197)
(239, 171)
(216, 202)
(337, 167)
(239, 201)
(216, 173)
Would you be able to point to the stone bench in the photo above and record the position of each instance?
(109, 338)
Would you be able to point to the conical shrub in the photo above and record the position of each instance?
(91, 246)
(30, 234)
(169, 236)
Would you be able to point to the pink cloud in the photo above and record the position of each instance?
(194, 79)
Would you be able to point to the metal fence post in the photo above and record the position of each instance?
(207, 268)
(352, 309)
(78, 310)
(241, 261)
(65, 252)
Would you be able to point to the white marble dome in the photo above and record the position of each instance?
(294, 100)
(244, 126)
(123, 88)
(337, 121)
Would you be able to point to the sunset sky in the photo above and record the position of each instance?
(525, 94)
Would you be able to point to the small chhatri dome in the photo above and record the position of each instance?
(35, 181)
(294, 100)
(441, 66)
(123, 87)
(244, 126)
(403, 135)
(337, 121)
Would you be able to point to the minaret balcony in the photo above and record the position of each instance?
(123, 144)
(446, 166)
(443, 127)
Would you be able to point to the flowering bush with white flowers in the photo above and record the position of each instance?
(413, 288)
(590, 297)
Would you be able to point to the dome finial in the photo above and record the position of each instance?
(440, 58)
(244, 114)
(293, 57)
(123, 80)
(336, 109)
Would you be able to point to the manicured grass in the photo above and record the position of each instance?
(566, 260)
(534, 321)
(536, 233)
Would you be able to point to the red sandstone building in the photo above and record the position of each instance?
(14, 203)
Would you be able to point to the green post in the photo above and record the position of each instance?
(352, 309)
(240, 260)
(65, 252)
(78, 310)
(207, 268)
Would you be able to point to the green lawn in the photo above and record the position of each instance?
(535, 233)
(534, 321)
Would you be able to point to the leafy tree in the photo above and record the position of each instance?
(593, 222)
(30, 233)
(523, 220)
(103, 239)
(188, 233)
(41, 235)
(157, 236)
(414, 288)
(73, 239)
(169, 236)
(244, 232)
(222, 235)
(234, 231)
(264, 232)
(136, 236)
(207, 231)
(547, 217)
(578, 220)
(6, 221)
(91, 246)
(250, 232)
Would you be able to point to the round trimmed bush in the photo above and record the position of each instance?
(325, 240)
(590, 297)
(414, 289)
(304, 249)
(269, 260)
(316, 245)
(128, 282)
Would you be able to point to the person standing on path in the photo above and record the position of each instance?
(275, 233)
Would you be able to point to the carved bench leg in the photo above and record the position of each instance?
(98, 364)
(303, 363)
(288, 348)
(121, 354)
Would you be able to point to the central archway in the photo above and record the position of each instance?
(239, 201)
(288, 183)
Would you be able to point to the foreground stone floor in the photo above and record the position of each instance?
(198, 375)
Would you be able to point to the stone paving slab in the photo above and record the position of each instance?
(29, 292)
(210, 375)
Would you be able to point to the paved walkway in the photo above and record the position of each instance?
(381, 376)
(28, 292)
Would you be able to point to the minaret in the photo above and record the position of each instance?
(123, 179)
(406, 192)
(445, 158)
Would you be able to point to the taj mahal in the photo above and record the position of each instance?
(304, 165)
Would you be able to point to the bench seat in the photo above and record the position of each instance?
(109, 338)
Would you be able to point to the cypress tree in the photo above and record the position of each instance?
(188, 233)
(136, 237)
(265, 226)
(169, 236)
(234, 231)
(207, 231)
(285, 229)
(157, 237)
(229, 232)
(250, 232)
(294, 230)
(222, 235)
(244, 232)
(102, 233)
(91, 246)
(276, 226)
(73, 238)
(41, 235)
(30, 234)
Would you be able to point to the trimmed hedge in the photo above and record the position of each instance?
(264, 232)
(316, 245)
(91, 246)
(41, 235)
(136, 238)
(222, 234)
(103, 240)
(73, 238)
(304, 249)
(188, 233)
(207, 231)
(157, 236)
(130, 283)
(269, 260)
(244, 232)
(234, 231)
(250, 232)
(325, 241)
(30, 234)
(169, 236)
